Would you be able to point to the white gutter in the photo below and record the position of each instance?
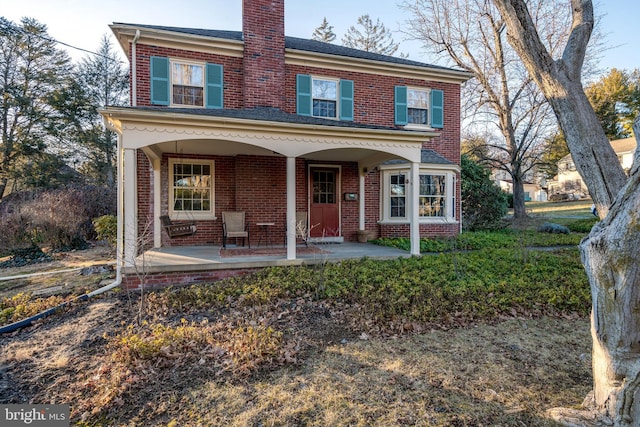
(134, 70)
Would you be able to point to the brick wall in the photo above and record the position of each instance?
(233, 77)
(263, 32)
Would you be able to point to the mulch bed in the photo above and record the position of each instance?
(238, 252)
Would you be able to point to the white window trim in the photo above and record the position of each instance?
(204, 81)
(191, 215)
(450, 202)
(332, 79)
(418, 126)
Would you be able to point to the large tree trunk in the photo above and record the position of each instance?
(609, 252)
(609, 255)
(519, 210)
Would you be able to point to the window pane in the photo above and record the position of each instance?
(325, 89)
(432, 195)
(192, 187)
(324, 108)
(417, 116)
(417, 99)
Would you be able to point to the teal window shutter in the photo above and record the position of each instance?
(346, 100)
(215, 86)
(401, 105)
(437, 108)
(303, 94)
(159, 80)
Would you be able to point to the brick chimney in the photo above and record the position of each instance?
(263, 32)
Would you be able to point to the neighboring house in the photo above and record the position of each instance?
(568, 184)
(269, 125)
(533, 190)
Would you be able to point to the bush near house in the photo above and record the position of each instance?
(60, 218)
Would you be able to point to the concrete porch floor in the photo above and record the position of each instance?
(202, 258)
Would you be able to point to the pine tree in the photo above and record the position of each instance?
(31, 68)
(371, 37)
(324, 33)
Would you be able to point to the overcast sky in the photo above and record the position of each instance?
(82, 23)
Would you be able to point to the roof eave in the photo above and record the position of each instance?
(114, 116)
(125, 34)
(345, 63)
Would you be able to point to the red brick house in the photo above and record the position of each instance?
(269, 125)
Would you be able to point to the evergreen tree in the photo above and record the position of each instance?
(483, 203)
(100, 80)
(370, 37)
(324, 33)
(615, 98)
(30, 70)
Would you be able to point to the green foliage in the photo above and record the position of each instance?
(483, 203)
(550, 227)
(32, 68)
(106, 227)
(504, 239)
(482, 284)
(582, 225)
(555, 148)
(616, 100)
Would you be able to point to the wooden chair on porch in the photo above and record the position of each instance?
(234, 226)
(177, 229)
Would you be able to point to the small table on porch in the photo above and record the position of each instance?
(264, 234)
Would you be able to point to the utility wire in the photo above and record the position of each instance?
(13, 27)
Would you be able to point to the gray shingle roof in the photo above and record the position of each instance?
(266, 114)
(297, 44)
(427, 156)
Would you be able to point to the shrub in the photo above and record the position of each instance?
(550, 227)
(106, 228)
(60, 217)
(483, 203)
(582, 225)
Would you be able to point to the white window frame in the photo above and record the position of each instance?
(427, 92)
(203, 66)
(337, 99)
(191, 214)
(450, 195)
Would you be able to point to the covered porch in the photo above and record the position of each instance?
(238, 144)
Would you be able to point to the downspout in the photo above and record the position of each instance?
(134, 70)
(118, 280)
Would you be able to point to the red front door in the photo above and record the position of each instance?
(324, 216)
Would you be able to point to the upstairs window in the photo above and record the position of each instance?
(418, 106)
(187, 84)
(324, 97)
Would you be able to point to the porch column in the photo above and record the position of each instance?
(130, 207)
(157, 199)
(291, 208)
(361, 220)
(414, 215)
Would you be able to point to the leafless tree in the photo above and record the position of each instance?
(502, 96)
(609, 252)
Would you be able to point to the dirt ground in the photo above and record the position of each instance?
(504, 374)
